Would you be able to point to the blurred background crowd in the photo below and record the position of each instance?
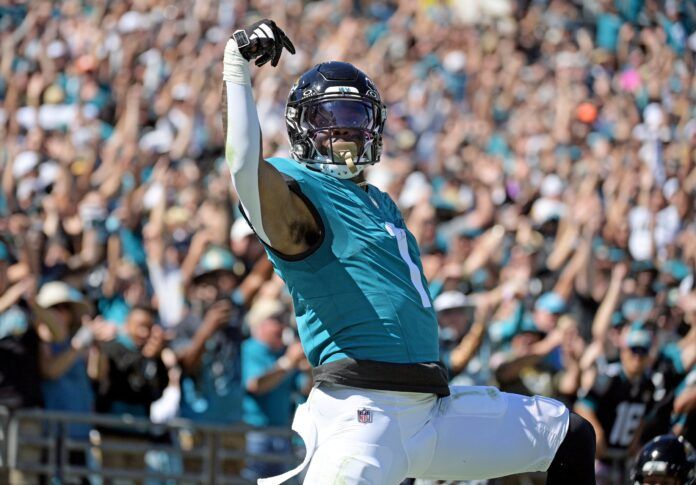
(543, 153)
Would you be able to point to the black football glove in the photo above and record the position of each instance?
(263, 41)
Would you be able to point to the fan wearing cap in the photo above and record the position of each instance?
(244, 243)
(621, 395)
(530, 364)
(68, 334)
(534, 356)
(208, 348)
(460, 338)
(270, 370)
(248, 251)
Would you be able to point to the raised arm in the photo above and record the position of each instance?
(279, 218)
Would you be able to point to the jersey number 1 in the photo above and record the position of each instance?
(402, 243)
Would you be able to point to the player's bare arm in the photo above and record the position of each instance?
(279, 217)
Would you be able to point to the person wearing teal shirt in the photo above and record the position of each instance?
(381, 408)
(271, 376)
(607, 35)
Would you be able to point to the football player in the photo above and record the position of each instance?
(381, 409)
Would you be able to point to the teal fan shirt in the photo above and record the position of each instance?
(361, 293)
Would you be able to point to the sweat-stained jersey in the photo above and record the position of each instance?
(360, 293)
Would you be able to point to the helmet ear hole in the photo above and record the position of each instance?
(300, 149)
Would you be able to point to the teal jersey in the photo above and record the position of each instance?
(361, 293)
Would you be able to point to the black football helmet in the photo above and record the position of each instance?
(666, 456)
(335, 118)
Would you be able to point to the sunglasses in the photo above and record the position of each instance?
(640, 351)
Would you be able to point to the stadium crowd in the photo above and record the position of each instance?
(543, 153)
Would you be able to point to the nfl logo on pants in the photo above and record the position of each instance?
(364, 416)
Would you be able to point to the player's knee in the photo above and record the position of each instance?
(579, 440)
(574, 460)
(582, 432)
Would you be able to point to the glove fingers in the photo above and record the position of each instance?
(277, 51)
(263, 59)
(286, 43)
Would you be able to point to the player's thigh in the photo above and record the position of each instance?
(359, 439)
(356, 463)
(484, 433)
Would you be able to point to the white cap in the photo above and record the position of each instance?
(56, 292)
(262, 310)
(640, 245)
(55, 49)
(24, 163)
(158, 140)
(132, 21)
(652, 114)
(181, 92)
(551, 186)
(240, 229)
(48, 172)
(450, 300)
(454, 61)
(544, 210)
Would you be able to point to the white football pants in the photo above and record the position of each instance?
(360, 436)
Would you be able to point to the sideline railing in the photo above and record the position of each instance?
(37, 442)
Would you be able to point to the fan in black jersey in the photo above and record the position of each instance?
(620, 397)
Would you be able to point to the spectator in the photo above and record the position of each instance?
(19, 344)
(20, 375)
(130, 377)
(271, 374)
(461, 339)
(208, 347)
(64, 353)
(619, 399)
(532, 362)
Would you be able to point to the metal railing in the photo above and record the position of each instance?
(4, 424)
(619, 467)
(50, 439)
(46, 434)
